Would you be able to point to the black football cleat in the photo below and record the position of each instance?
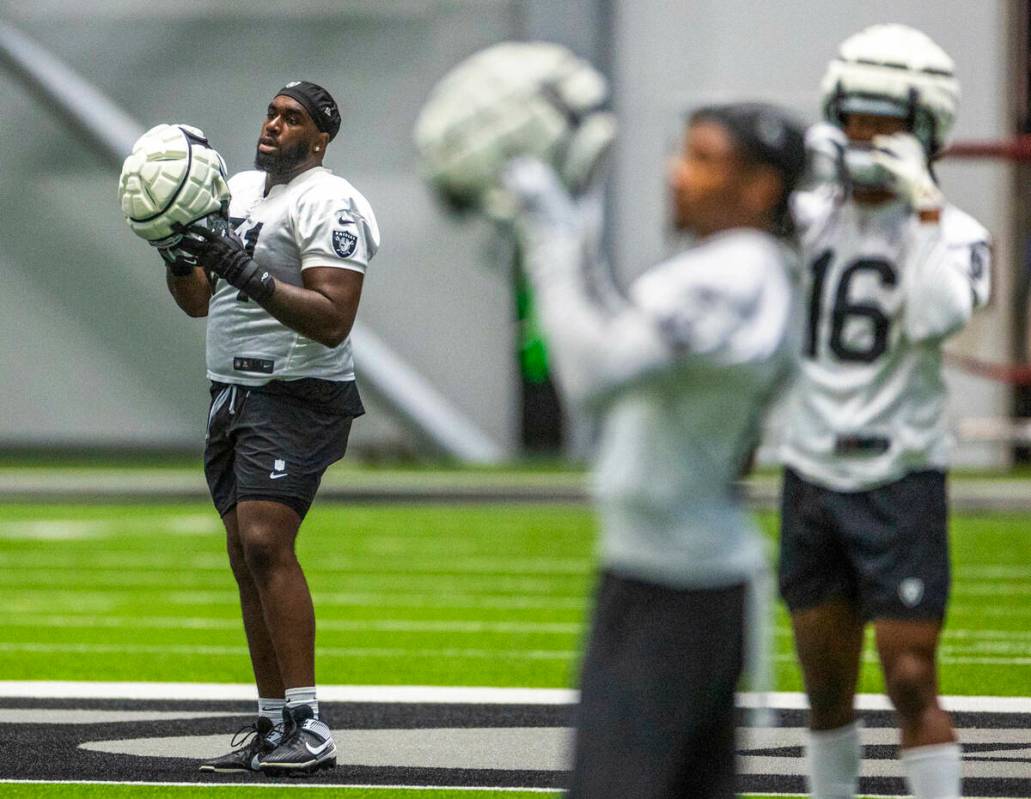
(252, 741)
(307, 746)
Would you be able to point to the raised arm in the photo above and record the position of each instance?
(676, 319)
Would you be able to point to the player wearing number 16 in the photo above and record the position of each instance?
(892, 270)
(278, 272)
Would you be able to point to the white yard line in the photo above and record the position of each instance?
(988, 588)
(400, 694)
(1004, 612)
(947, 655)
(286, 784)
(994, 572)
(90, 621)
(117, 580)
(328, 693)
(783, 630)
(371, 563)
(322, 651)
(373, 599)
(46, 598)
(116, 558)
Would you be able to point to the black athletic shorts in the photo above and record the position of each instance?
(274, 442)
(656, 712)
(885, 550)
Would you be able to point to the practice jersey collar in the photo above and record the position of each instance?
(304, 176)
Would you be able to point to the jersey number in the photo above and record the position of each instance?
(250, 241)
(843, 310)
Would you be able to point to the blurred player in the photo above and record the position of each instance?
(280, 294)
(891, 271)
(679, 374)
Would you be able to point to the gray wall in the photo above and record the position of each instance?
(94, 351)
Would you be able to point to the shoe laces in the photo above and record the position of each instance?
(287, 731)
(242, 737)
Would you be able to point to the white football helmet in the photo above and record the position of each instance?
(891, 70)
(513, 99)
(173, 176)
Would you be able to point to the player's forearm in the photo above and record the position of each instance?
(311, 313)
(190, 292)
(940, 296)
(594, 351)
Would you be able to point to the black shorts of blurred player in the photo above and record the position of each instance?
(656, 718)
(266, 450)
(878, 556)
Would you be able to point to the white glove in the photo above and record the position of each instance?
(903, 158)
(825, 147)
(560, 234)
(538, 194)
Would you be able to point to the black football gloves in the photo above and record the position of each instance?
(225, 254)
(180, 263)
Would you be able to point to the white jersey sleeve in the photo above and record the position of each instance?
(722, 303)
(333, 227)
(948, 276)
(811, 209)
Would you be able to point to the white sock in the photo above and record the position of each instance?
(302, 696)
(833, 762)
(271, 709)
(934, 772)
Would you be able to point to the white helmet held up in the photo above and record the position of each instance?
(894, 70)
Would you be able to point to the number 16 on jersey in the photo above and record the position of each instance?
(844, 308)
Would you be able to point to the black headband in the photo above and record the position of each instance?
(765, 134)
(317, 102)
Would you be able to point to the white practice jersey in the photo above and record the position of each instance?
(680, 374)
(317, 219)
(882, 292)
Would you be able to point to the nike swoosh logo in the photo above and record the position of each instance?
(274, 476)
(318, 750)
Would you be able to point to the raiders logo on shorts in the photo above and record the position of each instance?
(344, 243)
(911, 591)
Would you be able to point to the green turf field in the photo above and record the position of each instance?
(425, 595)
(420, 595)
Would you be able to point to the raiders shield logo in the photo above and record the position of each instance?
(911, 591)
(344, 243)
